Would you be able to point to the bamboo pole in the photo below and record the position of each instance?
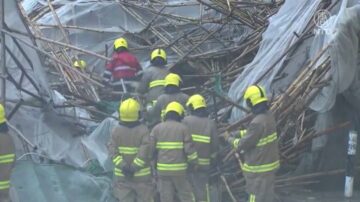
(72, 47)
(2, 55)
(53, 58)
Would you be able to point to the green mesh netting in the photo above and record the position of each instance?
(108, 107)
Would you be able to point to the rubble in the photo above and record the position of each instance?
(213, 44)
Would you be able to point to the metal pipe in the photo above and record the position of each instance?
(350, 164)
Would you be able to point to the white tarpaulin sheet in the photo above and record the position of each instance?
(342, 31)
(292, 18)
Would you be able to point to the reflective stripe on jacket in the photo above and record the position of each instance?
(205, 137)
(260, 145)
(123, 65)
(174, 148)
(152, 82)
(163, 100)
(263, 141)
(131, 146)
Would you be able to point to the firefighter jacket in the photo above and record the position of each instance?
(162, 101)
(260, 146)
(173, 148)
(205, 137)
(123, 65)
(152, 82)
(7, 158)
(129, 145)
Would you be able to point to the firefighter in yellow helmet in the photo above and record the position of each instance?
(130, 151)
(171, 93)
(260, 146)
(205, 137)
(152, 81)
(80, 64)
(123, 67)
(7, 157)
(174, 149)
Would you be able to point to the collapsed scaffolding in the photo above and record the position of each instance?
(210, 40)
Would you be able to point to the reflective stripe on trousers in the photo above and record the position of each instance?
(6, 159)
(261, 168)
(156, 83)
(252, 198)
(207, 194)
(117, 160)
(139, 162)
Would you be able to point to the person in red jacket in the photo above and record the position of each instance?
(123, 67)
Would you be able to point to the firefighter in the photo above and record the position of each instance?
(129, 149)
(171, 93)
(80, 64)
(174, 152)
(152, 81)
(259, 144)
(123, 67)
(204, 134)
(7, 157)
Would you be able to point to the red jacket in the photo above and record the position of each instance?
(123, 65)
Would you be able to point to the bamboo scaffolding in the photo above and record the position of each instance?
(215, 67)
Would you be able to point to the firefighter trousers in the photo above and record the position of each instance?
(200, 185)
(170, 185)
(129, 191)
(7, 158)
(4, 197)
(261, 188)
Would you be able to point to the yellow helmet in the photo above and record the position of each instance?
(196, 101)
(2, 114)
(158, 53)
(175, 107)
(254, 95)
(120, 43)
(129, 110)
(81, 64)
(172, 79)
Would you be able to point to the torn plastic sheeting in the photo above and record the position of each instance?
(343, 34)
(72, 113)
(37, 74)
(58, 183)
(96, 143)
(58, 139)
(292, 17)
(54, 136)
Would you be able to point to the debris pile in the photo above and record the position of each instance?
(210, 43)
